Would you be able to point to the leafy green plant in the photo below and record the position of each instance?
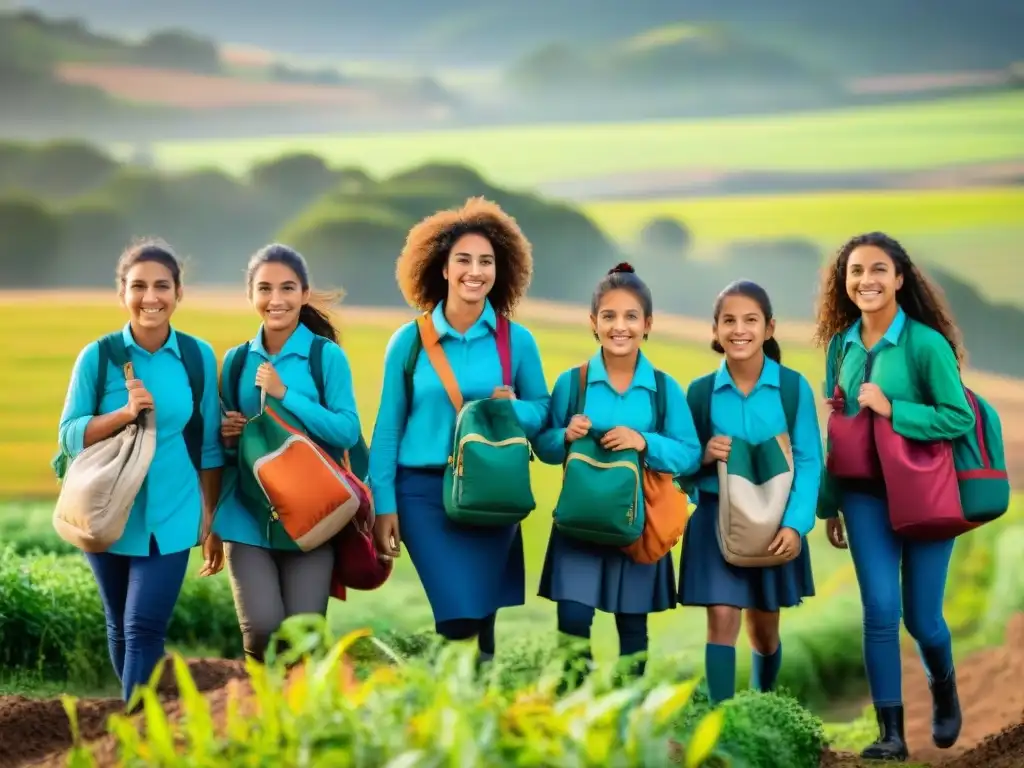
(306, 708)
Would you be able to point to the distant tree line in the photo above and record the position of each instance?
(67, 210)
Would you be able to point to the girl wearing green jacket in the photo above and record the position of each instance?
(871, 295)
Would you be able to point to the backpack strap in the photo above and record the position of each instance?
(503, 338)
(834, 362)
(410, 363)
(789, 386)
(435, 353)
(698, 398)
(660, 401)
(111, 350)
(577, 392)
(316, 366)
(234, 364)
(192, 357)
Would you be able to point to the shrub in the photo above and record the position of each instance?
(409, 714)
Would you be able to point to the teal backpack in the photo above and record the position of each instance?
(600, 500)
(487, 477)
(978, 456)
(358, 457)
(698, 397)
(113, 351)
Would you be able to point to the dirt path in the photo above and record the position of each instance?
(993, 707)
(35, 732)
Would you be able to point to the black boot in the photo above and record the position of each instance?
(946, 716)
(891, 744)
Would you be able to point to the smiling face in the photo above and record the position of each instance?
(741, 329)
(150, 295)
(278, 296)
(871, 279)
(471, 268)
(620, 324)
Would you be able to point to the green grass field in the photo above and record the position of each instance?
(893, 137)
(41, 349)
(940, 227)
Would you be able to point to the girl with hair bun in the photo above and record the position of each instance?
(620, 405)
(746, 400)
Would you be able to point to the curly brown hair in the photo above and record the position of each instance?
(920, 298)
(420, 267)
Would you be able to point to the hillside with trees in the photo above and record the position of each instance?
(67, 210)
(851, 39)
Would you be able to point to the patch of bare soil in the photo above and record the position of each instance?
(992, 700)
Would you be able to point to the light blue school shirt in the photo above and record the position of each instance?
(676, 450)
(421, 436)
(759, 416)
(169, 504)
(336, 425)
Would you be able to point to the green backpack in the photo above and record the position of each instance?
(112, 350)
(357, 459)
(978, 456)
(487, 478)
(602, 489)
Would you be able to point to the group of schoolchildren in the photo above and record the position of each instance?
(467, 271)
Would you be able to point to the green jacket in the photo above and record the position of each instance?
(923, 385)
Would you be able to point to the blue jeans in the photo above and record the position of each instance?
(880, 556)
(138, 595)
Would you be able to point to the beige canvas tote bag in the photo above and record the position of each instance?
(101, 484)
(753, 491)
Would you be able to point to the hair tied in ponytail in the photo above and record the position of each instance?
(622, 266)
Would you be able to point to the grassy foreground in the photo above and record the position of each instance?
(893, 137)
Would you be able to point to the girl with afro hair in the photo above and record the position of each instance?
(873, 298)
(466, 269)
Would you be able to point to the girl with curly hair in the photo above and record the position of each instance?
(620, 405)
(872, 298)
(751, 397)
(464, 267)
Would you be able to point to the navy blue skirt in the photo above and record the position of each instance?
(705, 578)
(467, 572)
(605, 578)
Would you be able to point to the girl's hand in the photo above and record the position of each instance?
(503, 393)
(139, 398)
(387, 536)
(870, 396)
(269, 381)
(213, 555)
(578, 427)
(787, 543)
(718, 449)
(623, 438)
(231, 427)
(836, 533)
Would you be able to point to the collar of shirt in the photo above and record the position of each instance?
(298, 343)
(171, 345)
(487, 323)
(643, 375)
(891, 335)
(769, 377)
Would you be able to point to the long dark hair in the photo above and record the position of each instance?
(750, 290)
(312, 315)
(150, 249)
(919, 297)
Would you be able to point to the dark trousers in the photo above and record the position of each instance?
(138, 594)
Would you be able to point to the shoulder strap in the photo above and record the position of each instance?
(410, 365)
(192, 358)
(112, 350)
(503, 338)
(316, 366)
(698, 397)
(234, 364)
(660, 401)
(435, 353)
(789, 386)
(834, 362)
